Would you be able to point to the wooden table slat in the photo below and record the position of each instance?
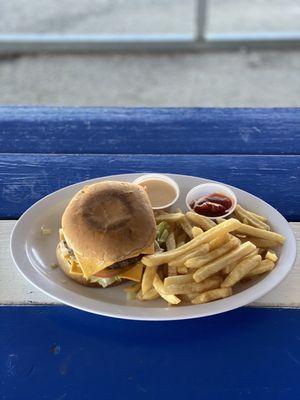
(58, 353)
(27, 178)
(14, 289)
(51, 351)
(149, 130)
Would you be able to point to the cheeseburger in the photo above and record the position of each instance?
(106, 228)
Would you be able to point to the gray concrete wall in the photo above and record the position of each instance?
(268, 78)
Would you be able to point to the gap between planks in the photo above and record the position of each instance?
(14, 289)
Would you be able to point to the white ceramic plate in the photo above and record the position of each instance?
(33, 254)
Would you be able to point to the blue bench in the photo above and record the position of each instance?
(55, 352)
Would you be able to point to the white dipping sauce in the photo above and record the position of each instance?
(160, 192)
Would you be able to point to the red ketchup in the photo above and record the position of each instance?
(212, 205)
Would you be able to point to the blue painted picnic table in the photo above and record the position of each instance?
(56, 352)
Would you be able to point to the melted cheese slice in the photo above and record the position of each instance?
(133, 274)
(89, 266)
(75, 268)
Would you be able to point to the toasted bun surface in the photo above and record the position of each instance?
(108, 222)
(65, 266)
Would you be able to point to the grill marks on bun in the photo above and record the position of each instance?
(108, 212)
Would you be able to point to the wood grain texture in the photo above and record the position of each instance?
(56, 353)
(27, 178)
(46, 351)
(149, 130)
(14, 289)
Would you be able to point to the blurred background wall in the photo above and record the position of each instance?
(238, 77)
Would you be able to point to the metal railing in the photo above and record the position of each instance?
(199, 40)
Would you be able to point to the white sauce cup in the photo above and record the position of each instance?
(164, 178)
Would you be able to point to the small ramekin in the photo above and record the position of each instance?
(209, 188)
(163, 178)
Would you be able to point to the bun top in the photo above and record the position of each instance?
(108, 222)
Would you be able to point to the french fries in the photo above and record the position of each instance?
(218, 241)
(260, 233)
(220, 263)
(148, 277)
(204, 222)
(159, 287)
(262, 243)
(200, 260)
(150, 295)
(161, 258)
(196, 230)
(182, 270)
(169, 217)
(186, 226)
(241, 270)
(271, 255)
(178, 280)
(231, 267)
(260, 217)
(250, 218)
(138, 296)
(265, 266)
(186, 288)
(228, 269)
(201, 249)
(188, 297)
(211, 295)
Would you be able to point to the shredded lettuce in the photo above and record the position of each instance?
(104, 282)
(162, 232)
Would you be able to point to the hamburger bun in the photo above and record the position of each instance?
(108, 222)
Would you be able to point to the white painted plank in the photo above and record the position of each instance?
(287, 293)
(14, 289)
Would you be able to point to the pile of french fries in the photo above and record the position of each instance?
(200, 260)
